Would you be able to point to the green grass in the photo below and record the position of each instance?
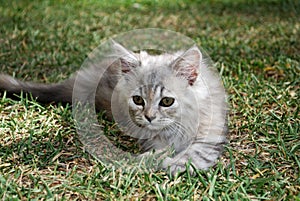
(256, 46)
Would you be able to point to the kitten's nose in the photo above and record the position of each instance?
(149, 118)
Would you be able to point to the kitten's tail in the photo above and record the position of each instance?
(44, 93)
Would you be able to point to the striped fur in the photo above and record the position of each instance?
(179, 102)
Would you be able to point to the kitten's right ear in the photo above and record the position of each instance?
(127, 58)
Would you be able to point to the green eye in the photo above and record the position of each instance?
(166, 101)
(138, 100)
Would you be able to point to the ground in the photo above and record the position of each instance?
(256, 48)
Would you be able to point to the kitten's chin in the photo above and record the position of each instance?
(153, 127)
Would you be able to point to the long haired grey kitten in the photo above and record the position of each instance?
(165, 101)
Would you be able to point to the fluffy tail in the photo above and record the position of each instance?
(44, 93)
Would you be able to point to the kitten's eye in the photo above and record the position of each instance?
(138, 100)
(166, 101)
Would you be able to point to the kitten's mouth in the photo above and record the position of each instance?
(149, 126)
(152, 127)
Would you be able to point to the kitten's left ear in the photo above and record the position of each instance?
(187, 65)
(127, 58)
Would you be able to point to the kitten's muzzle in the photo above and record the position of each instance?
(150, 118)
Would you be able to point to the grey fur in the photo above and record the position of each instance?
(194, 125)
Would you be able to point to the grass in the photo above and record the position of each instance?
(255, 45)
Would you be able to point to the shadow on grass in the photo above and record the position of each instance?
(42, 152)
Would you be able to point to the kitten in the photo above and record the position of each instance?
(165, 101)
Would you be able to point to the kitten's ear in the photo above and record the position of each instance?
(127, 58)
(187, 65)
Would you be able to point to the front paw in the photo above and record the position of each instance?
(176, 166)
(152, 158)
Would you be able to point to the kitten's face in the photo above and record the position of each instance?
(153, 107)
(146, 96)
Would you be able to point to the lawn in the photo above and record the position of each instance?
(256, 48)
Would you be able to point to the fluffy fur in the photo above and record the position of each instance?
(165, 101)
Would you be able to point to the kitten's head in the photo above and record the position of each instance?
(154, 91)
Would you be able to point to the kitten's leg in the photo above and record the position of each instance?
(155, 158)
(159, 154)
(201, 155)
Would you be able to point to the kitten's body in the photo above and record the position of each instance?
(164, 100)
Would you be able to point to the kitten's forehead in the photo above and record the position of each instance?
(156, 82)
(154, 75)
(151, 91)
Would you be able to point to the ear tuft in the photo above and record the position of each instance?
(127, 64)
(187, 65)
(126, 57)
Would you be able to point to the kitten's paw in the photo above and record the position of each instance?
(176, 166)
(158, 155)
(144, 155)
(152, 159)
